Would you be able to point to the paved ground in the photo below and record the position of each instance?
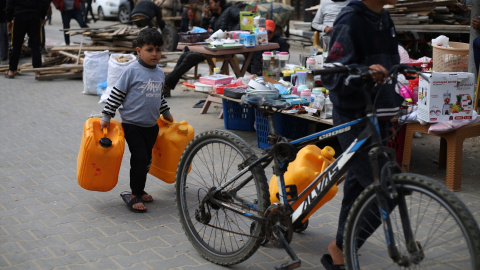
(48, 222)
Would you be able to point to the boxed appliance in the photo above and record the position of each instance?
(216, 79)
(445, 96)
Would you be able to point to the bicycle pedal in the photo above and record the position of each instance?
(289, 265)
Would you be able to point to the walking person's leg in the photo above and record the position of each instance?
(3, 42)
(66, 17)
(186, 62)
(18, 35)
(77, 15)
(34, 31)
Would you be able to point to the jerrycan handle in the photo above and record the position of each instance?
(105, 142)
(166, 121)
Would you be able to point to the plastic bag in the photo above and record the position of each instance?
(101, 87)
(441, 41)
(95, 70)
(116, 64)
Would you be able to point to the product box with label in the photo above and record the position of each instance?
(216, 79)
(445, 96)
(246, 20)
(261, 38)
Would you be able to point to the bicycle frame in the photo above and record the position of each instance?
(324, 181)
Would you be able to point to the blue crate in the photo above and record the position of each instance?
(288, 126)
(237, 116)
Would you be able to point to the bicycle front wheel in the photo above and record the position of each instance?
(443, 228)
(218, 234)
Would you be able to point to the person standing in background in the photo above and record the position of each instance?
(25, 17)
(3, 31)
(70, 9)
(87, 10)
(326, 14)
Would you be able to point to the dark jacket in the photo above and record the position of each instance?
(228, 20)
(151, 10)
(26, 7)
(3, 10)
(362, 37)
(59, 4)
(257, 56)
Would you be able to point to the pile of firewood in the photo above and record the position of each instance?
(429, 12)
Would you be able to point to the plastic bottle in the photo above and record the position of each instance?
(266, 63)
(310, 83)
(328, 106)
(301, 78)
(283, 58)
(316, 91)
(306, 93)
(308, 164)
(311, 63)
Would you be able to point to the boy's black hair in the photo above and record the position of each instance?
(149, 36)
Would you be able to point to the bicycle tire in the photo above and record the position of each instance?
(210, 159)
(445, 229)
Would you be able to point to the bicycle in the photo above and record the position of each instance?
(223, 202)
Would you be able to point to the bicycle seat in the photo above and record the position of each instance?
(258, 101)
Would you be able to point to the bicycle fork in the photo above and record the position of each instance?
(385, 188)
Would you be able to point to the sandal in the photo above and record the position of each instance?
(8, 76)
(327, 262)
(126, 196)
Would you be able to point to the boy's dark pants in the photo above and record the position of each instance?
(359, 175)
(140, 141)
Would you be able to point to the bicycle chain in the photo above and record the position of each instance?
(239, 233)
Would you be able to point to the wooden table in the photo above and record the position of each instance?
(228, 56)
(451, 145)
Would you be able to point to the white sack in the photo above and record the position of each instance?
(115, 69)
(95, 69)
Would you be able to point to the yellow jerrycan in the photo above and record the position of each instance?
(308, 164)
(172, 139)
(100, 155)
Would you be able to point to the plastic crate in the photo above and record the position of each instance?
(237, 116)
(398, 142)
(288, 126)
(452, 59)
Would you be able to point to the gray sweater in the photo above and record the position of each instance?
(139, 91)
(326, 14)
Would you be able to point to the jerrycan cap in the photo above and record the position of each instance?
(105, 142)
(328, 152)
(182, 130)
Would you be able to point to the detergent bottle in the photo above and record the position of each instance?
(309, 163)
(172, 139)
(100, 155)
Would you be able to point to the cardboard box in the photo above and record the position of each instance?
(261, 38)
(246, 20)
(445, 96)
(216, 79)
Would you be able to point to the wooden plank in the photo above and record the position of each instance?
(71, 56)
(54, 68)
(67, 75)
(90, 48)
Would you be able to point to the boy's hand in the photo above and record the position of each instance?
(104, 124)
(379, 73)
(476, 24)
(168, 118)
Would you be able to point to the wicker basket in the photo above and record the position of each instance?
(452, 59)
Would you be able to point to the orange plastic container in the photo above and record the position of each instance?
(98, 166)
(310, 162)
(171, 141)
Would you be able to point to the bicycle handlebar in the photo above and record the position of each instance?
(363, 71)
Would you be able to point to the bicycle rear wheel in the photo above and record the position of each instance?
(441, 224)
(223, 236)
